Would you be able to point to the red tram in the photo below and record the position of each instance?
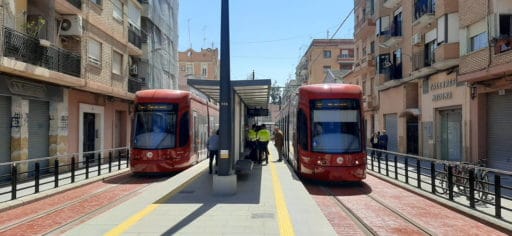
(170, 130)
(324, 133)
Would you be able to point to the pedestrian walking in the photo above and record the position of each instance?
(383, 141)
(279, 142)
(374, 141)
(213, 149)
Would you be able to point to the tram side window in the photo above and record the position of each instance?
(184, 129)
(302, 128)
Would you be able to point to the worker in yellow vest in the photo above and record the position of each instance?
(263, 137)
(252, 139)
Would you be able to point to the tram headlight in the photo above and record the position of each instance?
(149, 154)
(339, 160)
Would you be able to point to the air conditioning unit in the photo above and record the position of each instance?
(417, 39)
(71, 25)
(134, 70)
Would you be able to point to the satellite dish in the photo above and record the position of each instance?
(65, 25)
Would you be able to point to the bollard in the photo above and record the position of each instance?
(36, 177)
(56, 173)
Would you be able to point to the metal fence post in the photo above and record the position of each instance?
(450, 182)
(378, 164)
(418, 172)
(86, 168)
(118, 160)
(14, 179)
(110, 162)
(471, 177)
(372, 159)
(127, 158)
(497, 195)
(36, 177)
(433, 177)
(395, 160)
(56, 173)
(73, 169)
(387, 165)
(99, 164)
(406, 168)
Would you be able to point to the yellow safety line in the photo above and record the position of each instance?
(283, 216)
(121, 228)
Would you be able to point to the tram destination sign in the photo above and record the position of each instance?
(251, 112)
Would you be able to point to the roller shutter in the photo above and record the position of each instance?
(5, 138)
(38, 131)
(392, 131)
(499, 133)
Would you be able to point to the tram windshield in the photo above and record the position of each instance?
(155, 126)
(336, 126)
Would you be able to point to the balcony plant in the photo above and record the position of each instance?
(32, 27)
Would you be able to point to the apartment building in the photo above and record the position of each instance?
(67, 77)
(204, 64)
(158, 67)
(486, 65)
(325, 55)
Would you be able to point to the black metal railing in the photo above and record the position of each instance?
(488, 191)
(135, 84)
(76, 3)
(422, 7)
(35, 175)
(135, 36)
(29, 50)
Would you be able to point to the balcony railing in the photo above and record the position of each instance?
(134, 36)
(503, 45)
(76, 3)
(135, 84)
(422, 7)
(28, 49)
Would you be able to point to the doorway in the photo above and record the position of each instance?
(451, 134)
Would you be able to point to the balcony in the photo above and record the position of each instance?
(134, 36)
(391, 4)
(503, 45)
(68, 7)
(393, 36)
(27, 49)
(424, 12)
(136, 84)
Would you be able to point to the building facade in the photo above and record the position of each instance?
(67, 83)
(486, 66)
(204, 64)
(325, 55)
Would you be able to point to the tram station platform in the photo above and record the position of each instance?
(271, 200)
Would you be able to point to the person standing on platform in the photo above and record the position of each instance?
(279, 142)
(263, 137)
(252, 135)
(383, 141)
(374, 141)
(213, 149)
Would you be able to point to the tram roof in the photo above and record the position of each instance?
(254, 93)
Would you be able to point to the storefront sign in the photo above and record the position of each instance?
(26, 88)
(442, 85)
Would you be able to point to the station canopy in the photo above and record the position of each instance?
(253, 93)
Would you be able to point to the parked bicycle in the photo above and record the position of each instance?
(461, 180)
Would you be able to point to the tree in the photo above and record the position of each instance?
(275, 93)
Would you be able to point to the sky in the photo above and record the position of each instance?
(267, 36)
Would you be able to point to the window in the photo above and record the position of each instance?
(98, 2)
(382, 25)
(94, 51)
(190, 69)
(478, 42)
(302, 134)
(505, 26)
(134, 15)
(346, 66)
(327, 53)
(117, 62)
(204, 70)
(117, 12)
(345, 54)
